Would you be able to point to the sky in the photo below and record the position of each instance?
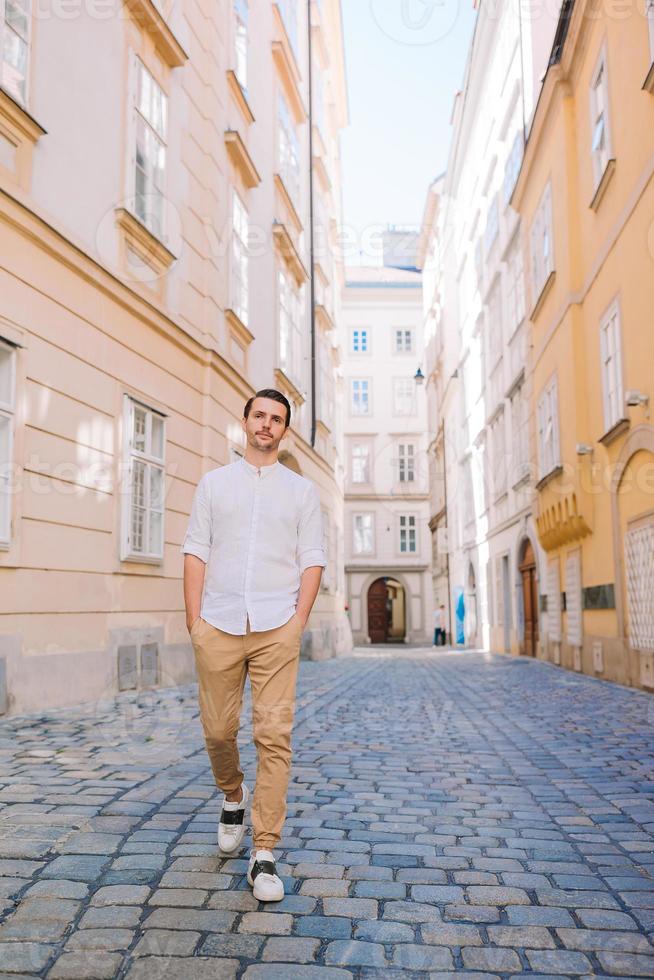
(405, 61)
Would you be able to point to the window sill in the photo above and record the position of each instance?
(288, 388)
(147, 16)
(289, 252)
(238, 154)
(544, 480)
(19, 132)
(615, 432)
(522, 481)
(648, 84)
(141, 240)
(240, 97)
(604, 182)
(543, 295)
(142, 559)
(289, 73)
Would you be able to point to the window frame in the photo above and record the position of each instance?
(401, 334)
(516, 300)
(600, 157)
(542, 226)
(288, 150)
(130, 456)
(548, 411)
(27, 41)
(411, 525)
(239, 280)
(291, 314)
(360, 514)
(161, 138)
(241, 41)
(367, 461)
(8, 412)
(406, 462)
(649, 12)
(362, 335)
(611, 318)
(408, 382)
(368, 400)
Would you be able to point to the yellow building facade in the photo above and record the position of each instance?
(586, 197)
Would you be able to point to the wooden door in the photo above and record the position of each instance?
(530, 600)
(377, 612)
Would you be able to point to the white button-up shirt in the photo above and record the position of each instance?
(256, 529)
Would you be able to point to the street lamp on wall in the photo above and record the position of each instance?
(419, 377)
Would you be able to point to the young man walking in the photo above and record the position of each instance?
(254, 545)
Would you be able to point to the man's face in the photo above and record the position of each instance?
(265, 425)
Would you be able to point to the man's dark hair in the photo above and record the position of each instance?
(276, 397)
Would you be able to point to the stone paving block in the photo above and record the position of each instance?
(290, 950)
(353, 952)
(179, 897)
(413, 957)
(232, 944)
(376, 931)
(626, 964)
(166, 942)
(368, 872)
(236, 901)
(328, 927)
(76, 867)
(450, 934)
(120, 895)
(19, 957)
(535, 915)
(575, 899)
(488, 958)
(496, 895)
(471, 913)
(411, 912)
(603, 919)
(111, 917)
(84, 966)
(534, 937)
(438, 894)
(200, 920)
(54, 888)
(266, 923)
(325, 887)
(590, 940)
(304, 870)
(100, 939)
(182, 968)
(558, 961)
(280, 972)
(380, 889)
(354, 908)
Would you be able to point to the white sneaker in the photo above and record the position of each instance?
(231, 827)
(262, 875)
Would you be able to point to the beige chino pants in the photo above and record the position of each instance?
(270, 657)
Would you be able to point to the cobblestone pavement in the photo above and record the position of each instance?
(447, 812)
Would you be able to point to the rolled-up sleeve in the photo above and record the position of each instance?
(198, 534)
(310, 548)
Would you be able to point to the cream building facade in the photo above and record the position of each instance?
(487, 560)
(156, 268)
(387, 543)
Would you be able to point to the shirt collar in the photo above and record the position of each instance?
(265, 470)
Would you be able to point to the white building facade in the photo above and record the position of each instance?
(387, 543)
(488, 565)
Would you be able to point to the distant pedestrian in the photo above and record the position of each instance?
(256, 530)
(439, 626)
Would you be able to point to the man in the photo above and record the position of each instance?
(254, 544)
(439, 626)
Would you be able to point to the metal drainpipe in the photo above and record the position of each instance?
(312, 287)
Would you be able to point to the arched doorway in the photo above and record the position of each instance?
(529, 579)
(386, 611)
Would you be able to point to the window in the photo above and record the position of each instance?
(288, 10)
(650, 21)
(498, 433)
(241, 12)
(639, 548)
(7, 399)
(239, 277)
(548, 429)
(515, 287)
(554, 600)
(406, 463)
(542, 246)
(494, 331)
(573, 603)
(403, 341)
(359, 339)
(492, 225)
(520, 434)
(512, 169)
(288, 149)
(599, 119)
(143, 527)
(151, 123)
(15, 17)
(290, 326)
(404, 396)
(362, 534)
(408, 542)
(359, 396)
(360, 463)
(611, 353)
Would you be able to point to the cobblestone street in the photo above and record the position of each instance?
(447, 812)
